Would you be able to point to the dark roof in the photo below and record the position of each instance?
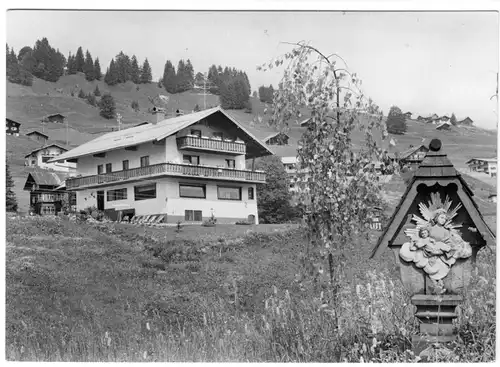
(45, 147)
(406, 153)
(45, 178)
(54, 114)
(38, 133)
(13, 122)
(436, 168)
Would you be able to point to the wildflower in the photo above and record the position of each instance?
(145, 355)
(361, 360)
(147, 326)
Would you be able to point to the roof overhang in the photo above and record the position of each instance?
(255, 148)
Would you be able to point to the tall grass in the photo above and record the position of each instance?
(240, 302)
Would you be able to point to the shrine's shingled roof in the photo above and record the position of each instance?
(435, 168)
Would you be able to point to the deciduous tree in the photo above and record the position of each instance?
(338, 193)
(396, 121)
(453, 119)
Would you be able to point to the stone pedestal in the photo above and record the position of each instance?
(436, 314)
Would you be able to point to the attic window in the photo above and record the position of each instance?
(196, 133)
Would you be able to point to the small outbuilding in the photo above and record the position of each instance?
(38, 136)
(55, 117)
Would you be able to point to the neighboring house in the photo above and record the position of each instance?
(278, 138)
(445, 118)
(444, 126)
(408, 115)
(12, 127)
(486, 165)
(466, 121)
(47, 192)
(40, 158)
(56, 117)
(420, 118)
(38, 136)
(290, 164)
(413, 156)
(185, 168)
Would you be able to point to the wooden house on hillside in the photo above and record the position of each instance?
(408, 115)
(486, 165)
(56, 118)
(444, 126)
(413, 156)
(466, 121)
(12, 127)
(47, 192)
(278, 138)
(38, 136)
(40, 158)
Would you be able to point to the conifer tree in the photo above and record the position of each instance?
(135, 72)
(10, 196)
(79, 60)
(97, 69)
(97, 92)
(88, 68)
(169, 77)
(111, 77)
(70, 64)
(107, 106)
(146, 75)
(180, 84)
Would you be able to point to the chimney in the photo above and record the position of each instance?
(159, 114)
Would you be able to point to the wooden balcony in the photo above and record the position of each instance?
(212, 145)
(167, 169)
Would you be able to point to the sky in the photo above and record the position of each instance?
(423, 62)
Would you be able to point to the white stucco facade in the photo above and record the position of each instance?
(169, 201)
(230, 198)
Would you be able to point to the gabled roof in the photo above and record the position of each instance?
(154, 132)
(406, 153)
(13, 122)
(490, 160)
(54, 114)
(436, 168)
(45, 178)
(443, 125)
(45, 147)
(37, 133)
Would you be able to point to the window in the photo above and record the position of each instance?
(192, 191)
(196, 132)
(193, 159)
(108, 168)
(217, 135)
(145, 161)
(145, 192)
(193, 216)
(33, 162)
(118, 194)
(230, 163)
(228, 193)
(125, 165)
(99, 169)
(250, 193)
(45, 159)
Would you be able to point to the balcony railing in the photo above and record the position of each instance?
(196, 143)
(167, 169)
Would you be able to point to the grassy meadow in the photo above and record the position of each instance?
(82, 292)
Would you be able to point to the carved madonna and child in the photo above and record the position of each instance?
(435, 243)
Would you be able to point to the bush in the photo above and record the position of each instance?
(91, 100)
(248, 107)
(396, 121)
(135, 106)
(81, 94)
(211, 222)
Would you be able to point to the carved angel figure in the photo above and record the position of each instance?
(435, 243)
